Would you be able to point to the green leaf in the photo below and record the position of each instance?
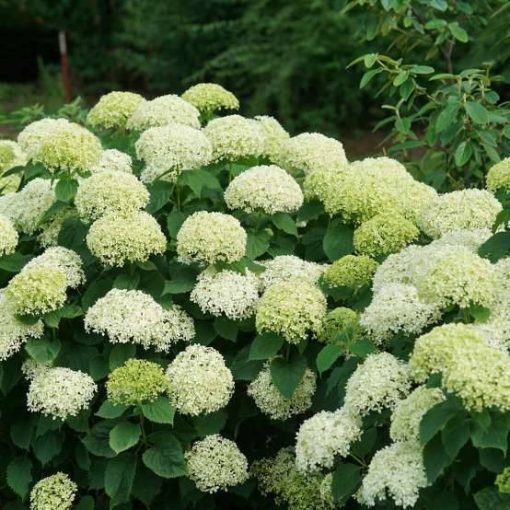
(287, 374)
(458, 32)
(14, 263)
(367, 77)
(346, 481)
(327, 356)
(226, 328)
(97, 441)
(337, 241)
(96, 290)
(199, 179)
(362, 348)
(257, 244)
(119, 477)
(494, 435)
(211, 423)
(436, 418)
(463, 153)
(496, 247)
(85, 503)
(124, 435)
(174, 222)
(47, 447)
(22, 432)
(491, 499)
(126, 281)
(72, 234)
(109, 410)
(120, 353)
(160, 194)
(477, 112)
(454, 435)
(479, 313)
(165, 458)
(285, 223)
(178, 286)
(435, 458)
(265, 346)
(159, 411)
(446, 117)
(65, 189)
(491, 459)
(19, 475)
(370, 59)
(43, 350)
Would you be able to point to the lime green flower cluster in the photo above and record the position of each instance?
(54, 492)
(210, 98)
(351, 271)
(136, 382)
(113, 110)
(498, 176)
(8, 236)
(340, 320)
(503, 481)
(293, 309)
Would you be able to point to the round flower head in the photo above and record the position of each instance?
(264, 188)
(68, 261)
(227, 293)
(351, 271)
(342, 323)
(50, 228)
(60, 392)
(458, 277)
(27, 207)
(110, 192)
(378, 383)
(278, 476)
(171, 149)
(406, 418)
(52, 492)
(498, 176)
(11, 155)
(210, 237)
(470, 368)
(397, 309)
(71, 148)
(13, 332)
(293, 309)
(275, 135)
(210, 97)
(113, 160)
(37, 290)
(503, 481)
(8, 236)
(161, 111)
(32, 136)
(198, 381)
(113, 110)
(286, 267)
(116, 239)
(132, 316)
(317, 183)
(311, 151)
(136, 382)
(215, 464)
(234, 137)
(324, 436)
(271, 402)
(383, 234)
(464, 209)
(396, 471)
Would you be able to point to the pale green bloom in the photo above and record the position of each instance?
(55, 492)
(113, 160)
(351, 271)
(114, 109)
(503, 481)
(340, 320)
(275, 135)
(288, 267)
(31, 138)
(8, 236)
(210, 97)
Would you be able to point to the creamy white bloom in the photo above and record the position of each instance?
(8, 236)
(286, 267)
(275, 135)
(32, 136)
(113, 160)
(54, 492)
(114, 109)
(210, 97)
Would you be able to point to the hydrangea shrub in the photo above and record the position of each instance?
(200, 311)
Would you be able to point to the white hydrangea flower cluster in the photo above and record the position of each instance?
(31, 138)
(161, 111)
(113, 160)
(171, 149)
(8, 236)
(54, 492)
(265, 188)
(11, 155)
(286, 267)
(226, 293)
(113, 110)
(215, 464)
(199, 382)
(132, 316)
(275, 136)
(60, 392)
(210, 97)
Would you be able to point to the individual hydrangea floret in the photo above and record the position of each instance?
(380, 382)
(464, 209)
(37, 290)
(271, 402)
(171, 149)
(340, 327)
(311, 151)
(113, 110)
(275, 135)
(60, 392)
(323, 437)
(210, 237)
(351, 271)
(113, 160)
(110, 192)
(132, 316)
(265, 188)
(116, 239)
(32, 136)
(407, 415)
(198, 381)
(383, 234)
(227, 293)
(8, 236)
(13, 332)
(163, 110)
(54, 492)
(294, 309)
(135, 383)
(215, 464)
(288, 267)
(234, 137)
(210, 97)
(397, 309)
(396, 471)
